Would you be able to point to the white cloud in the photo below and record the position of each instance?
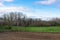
(1, 5)
(13, 9)
(6, 0)
(2, 2)
(46, 2)
(29, 12)
(9, 0)
(24, 10)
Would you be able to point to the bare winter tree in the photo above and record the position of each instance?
(13, 18)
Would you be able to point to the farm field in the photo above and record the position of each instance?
(30, 33)
(55, 29)
(29, 36)
(37, 29)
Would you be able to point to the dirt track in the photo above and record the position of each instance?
(29, 36)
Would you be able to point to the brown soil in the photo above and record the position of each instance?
(29, 36)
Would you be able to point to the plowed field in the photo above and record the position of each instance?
(29, 36)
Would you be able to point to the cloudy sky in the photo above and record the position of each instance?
(32, 8)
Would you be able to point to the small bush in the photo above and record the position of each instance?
(8, 28)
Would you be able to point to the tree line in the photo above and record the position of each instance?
(19, 19)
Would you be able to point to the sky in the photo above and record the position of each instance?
(32, 8)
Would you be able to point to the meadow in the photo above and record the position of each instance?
(37, 29)
(31, 29)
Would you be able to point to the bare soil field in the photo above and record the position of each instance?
(29, 36)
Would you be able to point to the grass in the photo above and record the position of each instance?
(37, 29)
(31, 29)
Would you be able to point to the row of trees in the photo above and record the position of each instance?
(18, 19)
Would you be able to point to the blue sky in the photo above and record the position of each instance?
(32, 8)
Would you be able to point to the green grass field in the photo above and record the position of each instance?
(36, 29)
(32, 29)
